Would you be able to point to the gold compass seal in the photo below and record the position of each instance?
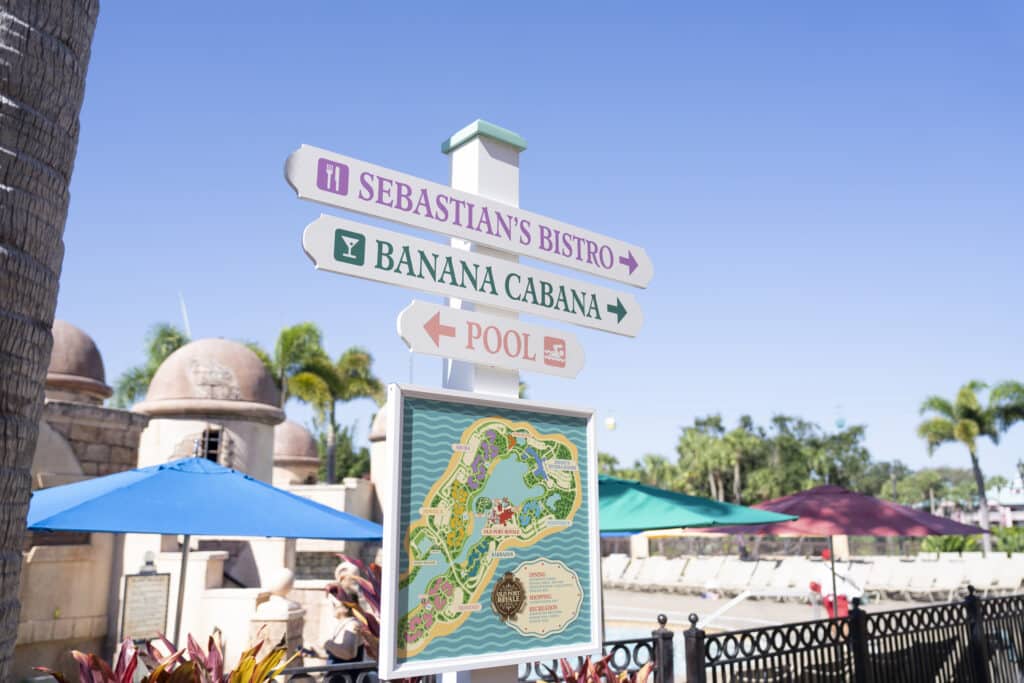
(508, 597)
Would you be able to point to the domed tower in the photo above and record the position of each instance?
(296, 458)
(212, 398)
(76, 371)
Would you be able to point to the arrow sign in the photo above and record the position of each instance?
(489, 340)
(349, 248)
(347, 183)
(436, 330)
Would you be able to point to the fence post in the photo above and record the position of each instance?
(977, 648)
(694, 641)
(664, 665)
(859, 643)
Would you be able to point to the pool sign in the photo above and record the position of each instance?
(489, 340)
(348, 248)
(355, 185)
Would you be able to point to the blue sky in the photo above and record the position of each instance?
(832, 195)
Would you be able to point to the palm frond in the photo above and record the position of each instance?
(1007, 403)
(967, 401)
(937, 405)
(935, 432)
(162, 340)
(297, 345)
(311, 388)
(264, 357)
(967, 432)
(131, 386)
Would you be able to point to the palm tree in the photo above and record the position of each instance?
(324, 384)
(743, 444)
(296, 347)
(965, 420)
(131, 387)
(46, 54)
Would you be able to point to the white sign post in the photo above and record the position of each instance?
(486, 346)
(489, 340)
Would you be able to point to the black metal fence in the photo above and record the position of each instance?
(974, 641)
(624, 656)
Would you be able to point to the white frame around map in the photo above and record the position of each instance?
(389, 668)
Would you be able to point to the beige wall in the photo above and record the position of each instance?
(249, 446)
(63, 603)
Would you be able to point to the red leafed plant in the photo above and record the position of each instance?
(189, 665)
(366, 584)
(598, 672)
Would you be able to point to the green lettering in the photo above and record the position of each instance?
(530, 291)
(429, 264)
(448, 271)
(561, 303)
(468, 274)
(508, 288)
(546, 300)
(384, 251)
(488, 283)
(579, 300)
(594, 311)
(405, 259)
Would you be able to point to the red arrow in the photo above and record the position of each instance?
(436, 330)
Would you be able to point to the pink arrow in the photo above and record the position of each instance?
(436, 330)
(629, 261)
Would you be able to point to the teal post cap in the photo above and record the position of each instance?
(481, 127)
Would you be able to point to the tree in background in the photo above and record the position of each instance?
(296, 348)
(349, 461)
(45, 46)
(162, 340)
(965, 420)
(323, 384)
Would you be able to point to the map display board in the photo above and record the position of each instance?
(491, 552)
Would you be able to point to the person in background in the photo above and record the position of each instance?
(345, 643)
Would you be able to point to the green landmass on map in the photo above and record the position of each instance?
(438, 541)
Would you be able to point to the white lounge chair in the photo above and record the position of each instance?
(699, 572)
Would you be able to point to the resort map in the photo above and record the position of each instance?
(478, 546)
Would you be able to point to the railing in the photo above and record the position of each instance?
(973, 641)
(624, 656)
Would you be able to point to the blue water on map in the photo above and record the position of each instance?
(429, 430)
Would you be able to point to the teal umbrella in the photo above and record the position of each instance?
(631, 507)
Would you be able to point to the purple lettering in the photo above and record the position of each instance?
(403, 200)
(545, 238)
(384, 186)
(424, 203)
(607, 257)
(366, 186)
(441, 208)
(524, 233)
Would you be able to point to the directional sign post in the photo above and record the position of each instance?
(347, 183)
(488, 340)
(349, 248)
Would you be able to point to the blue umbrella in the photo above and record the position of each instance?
(192, 496)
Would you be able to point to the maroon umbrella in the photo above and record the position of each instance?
(827, 511)
(834, 511)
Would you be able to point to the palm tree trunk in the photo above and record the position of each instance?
(737, 483)
(332, 445)
(711, 485)
(979, 481)
(45, 46)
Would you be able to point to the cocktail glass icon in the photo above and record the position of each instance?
(350, 242)
(349, 247)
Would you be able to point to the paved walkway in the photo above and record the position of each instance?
(637, 611)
